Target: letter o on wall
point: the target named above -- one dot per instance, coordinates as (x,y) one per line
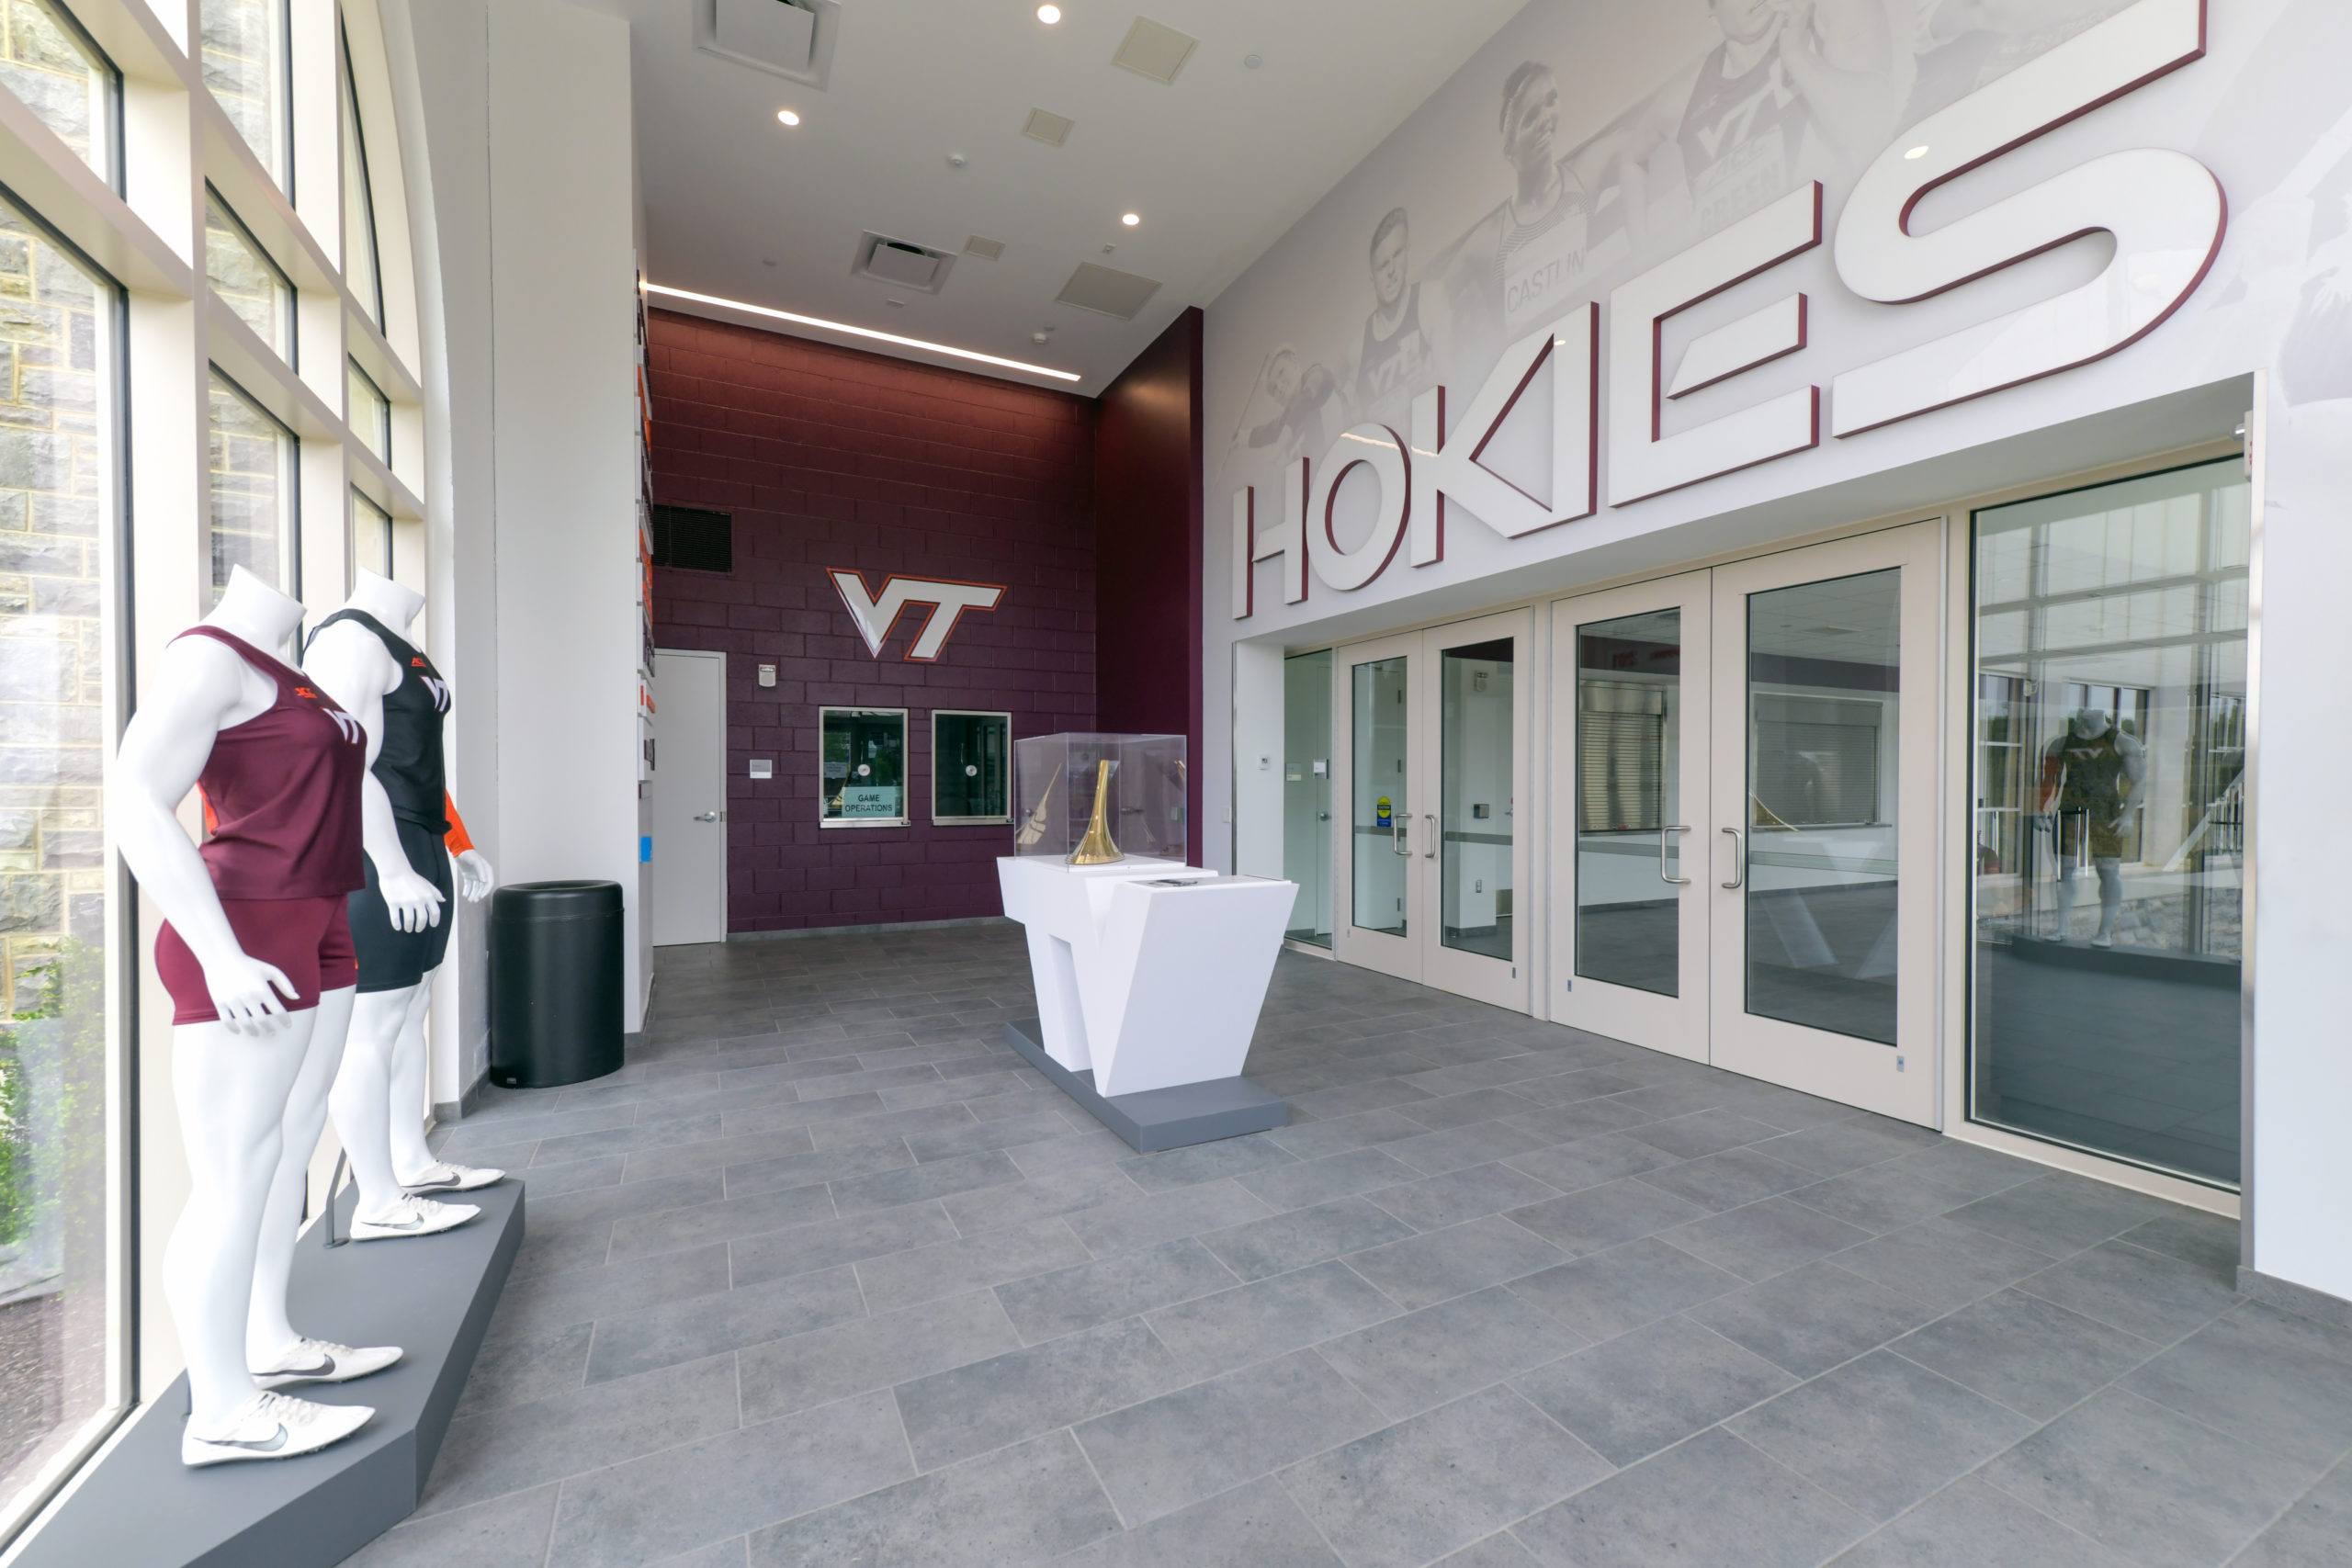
(1383,451)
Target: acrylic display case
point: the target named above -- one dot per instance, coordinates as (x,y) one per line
(1101,800)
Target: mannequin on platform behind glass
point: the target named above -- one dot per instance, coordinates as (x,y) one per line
(2092,776)
(256,954)
(400,922)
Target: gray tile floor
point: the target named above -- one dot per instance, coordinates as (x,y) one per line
(825,1277)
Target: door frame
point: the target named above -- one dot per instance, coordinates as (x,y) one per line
(1676,1024)
(653,922)
(1903,1081)
(1501,983)
(1363,946)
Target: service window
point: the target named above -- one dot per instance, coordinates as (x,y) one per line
(971,767)
(863,782)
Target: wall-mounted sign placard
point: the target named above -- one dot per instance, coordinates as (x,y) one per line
(875,612)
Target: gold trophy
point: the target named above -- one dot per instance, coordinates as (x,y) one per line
(1096,848)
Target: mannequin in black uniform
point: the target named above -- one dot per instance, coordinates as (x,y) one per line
(400,920)
(2092,777)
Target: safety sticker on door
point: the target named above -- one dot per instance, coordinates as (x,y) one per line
(1380,806)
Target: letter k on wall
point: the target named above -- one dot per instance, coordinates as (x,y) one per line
(874,614)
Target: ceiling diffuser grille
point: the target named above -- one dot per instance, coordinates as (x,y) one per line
(986,249)
(1107,291)
(1047,127)
(1155,50)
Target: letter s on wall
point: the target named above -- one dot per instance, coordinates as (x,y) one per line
(2165,209)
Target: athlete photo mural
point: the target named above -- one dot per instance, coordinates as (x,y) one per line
(1591,181)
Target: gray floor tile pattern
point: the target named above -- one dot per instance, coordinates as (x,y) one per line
(825,1275)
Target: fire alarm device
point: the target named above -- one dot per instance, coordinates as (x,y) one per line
(767,674)
(763,767)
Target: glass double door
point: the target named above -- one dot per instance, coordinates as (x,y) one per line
(1432,763)
(1743,777)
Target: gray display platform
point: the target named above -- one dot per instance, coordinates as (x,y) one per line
(139,1507)
(1158,1119)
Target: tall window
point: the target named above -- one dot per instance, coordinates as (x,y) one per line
(370,413)
(2110,817)
(244,66)
(371,537)
(359,257)
(50,63)
(247,279)
(61,1305)
(253,492)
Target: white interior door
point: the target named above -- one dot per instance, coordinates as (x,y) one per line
(1630,679)
(1474,677)
(690,798)
(1376,838)
(1824,762)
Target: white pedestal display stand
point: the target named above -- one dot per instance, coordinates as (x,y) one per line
(1150,975)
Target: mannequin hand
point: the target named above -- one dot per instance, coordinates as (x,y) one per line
(242,993)
(414,903)
(475,878)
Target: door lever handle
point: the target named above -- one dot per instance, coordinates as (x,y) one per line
(707,817)
(1738,859)
(1663,841)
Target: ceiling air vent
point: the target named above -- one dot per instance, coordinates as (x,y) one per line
(690,540)
(792,38)
(901,264)
(1107,291)
(1154,50)
(987,250)
(1047,127)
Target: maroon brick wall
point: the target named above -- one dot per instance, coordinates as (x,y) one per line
(830,457)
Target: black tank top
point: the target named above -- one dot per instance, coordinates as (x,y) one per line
(409,763)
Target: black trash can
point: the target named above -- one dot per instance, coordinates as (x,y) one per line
(555,983)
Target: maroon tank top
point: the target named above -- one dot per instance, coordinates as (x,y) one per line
(281,792)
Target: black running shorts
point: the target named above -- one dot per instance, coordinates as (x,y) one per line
(395,960)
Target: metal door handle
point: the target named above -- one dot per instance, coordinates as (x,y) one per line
(1397,833)
(1738,858)
(1428,851)
(707,817)
(1662,843)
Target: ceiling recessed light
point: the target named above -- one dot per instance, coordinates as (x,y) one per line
(1251,62)
(788,117)
(1049,15)
(1130,219)
(1918,152)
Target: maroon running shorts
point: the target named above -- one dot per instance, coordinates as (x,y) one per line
(309,939)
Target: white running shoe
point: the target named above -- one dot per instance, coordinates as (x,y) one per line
(412,1217)
(449,1177)
(323,1360)
(275,1426)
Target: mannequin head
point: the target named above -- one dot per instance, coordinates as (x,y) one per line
(2090,724)
(387,601)
(252,609)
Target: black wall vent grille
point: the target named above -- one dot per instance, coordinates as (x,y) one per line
(694,540)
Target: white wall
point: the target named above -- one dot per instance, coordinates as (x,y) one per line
(526,113)
(2266,109)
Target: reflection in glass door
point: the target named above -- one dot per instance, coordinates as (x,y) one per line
(1381,785)
(1476,804)
(1823,666)
(1306,792)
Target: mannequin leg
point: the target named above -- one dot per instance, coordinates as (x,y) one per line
(268,1332)
(2065,901)
(2110,900)
(411,1159)
(365,1088)
(232,1091)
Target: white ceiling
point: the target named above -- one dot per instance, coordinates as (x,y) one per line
(1218,164)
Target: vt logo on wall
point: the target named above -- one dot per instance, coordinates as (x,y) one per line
(874,614)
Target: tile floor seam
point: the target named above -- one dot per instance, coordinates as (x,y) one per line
(1116,1512)
(1282,1486)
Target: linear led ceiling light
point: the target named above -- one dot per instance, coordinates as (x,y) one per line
(859,331)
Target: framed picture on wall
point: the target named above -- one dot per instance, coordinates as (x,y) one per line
(971,767)
(862,778)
